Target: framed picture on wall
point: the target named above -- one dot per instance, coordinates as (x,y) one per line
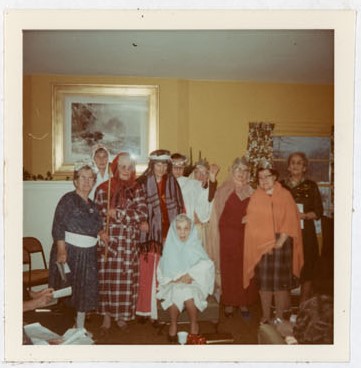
(123,118)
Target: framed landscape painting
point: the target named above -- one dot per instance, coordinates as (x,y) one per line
(123,118)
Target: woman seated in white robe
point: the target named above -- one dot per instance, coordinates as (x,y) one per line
(185,274)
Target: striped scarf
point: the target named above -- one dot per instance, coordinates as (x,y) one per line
(153,240)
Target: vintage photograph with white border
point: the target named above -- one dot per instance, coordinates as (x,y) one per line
(16,21)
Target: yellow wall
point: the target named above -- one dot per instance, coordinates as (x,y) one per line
(206,115)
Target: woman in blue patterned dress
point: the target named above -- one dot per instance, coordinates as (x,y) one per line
(76,227)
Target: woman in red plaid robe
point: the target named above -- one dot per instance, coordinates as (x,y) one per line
(119,269)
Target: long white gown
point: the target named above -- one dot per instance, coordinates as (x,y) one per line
(180,258)
(195,198)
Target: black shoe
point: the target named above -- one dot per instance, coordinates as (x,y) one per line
(155,323)
(142,320)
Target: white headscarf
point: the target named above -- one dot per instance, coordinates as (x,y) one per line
(178,256)
(99,179)
(95,149)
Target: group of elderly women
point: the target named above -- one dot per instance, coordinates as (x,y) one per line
(129,241)
(263,240)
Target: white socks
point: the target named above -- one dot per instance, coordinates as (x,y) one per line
(80,319)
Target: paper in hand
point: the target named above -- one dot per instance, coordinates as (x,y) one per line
(61,293)
(63,269)
(40,335)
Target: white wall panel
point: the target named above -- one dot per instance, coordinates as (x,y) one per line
(40,200)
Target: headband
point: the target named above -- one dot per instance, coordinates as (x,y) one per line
(78,165)
(159,158)
(179,162)
(202,162)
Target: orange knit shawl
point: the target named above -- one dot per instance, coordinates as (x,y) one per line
(266,216)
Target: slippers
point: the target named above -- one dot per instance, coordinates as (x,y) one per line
(228,314)
(122,325)
(89,334)
(228,311)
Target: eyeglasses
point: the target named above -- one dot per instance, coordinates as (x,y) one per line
(85,178)
(241,170)
(202,172)
(266,177)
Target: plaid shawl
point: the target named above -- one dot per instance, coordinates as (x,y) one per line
(153,240)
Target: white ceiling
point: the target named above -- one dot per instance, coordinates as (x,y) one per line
(285,56)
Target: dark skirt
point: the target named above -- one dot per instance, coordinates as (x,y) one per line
(274,270)
(83,277)
(310,251)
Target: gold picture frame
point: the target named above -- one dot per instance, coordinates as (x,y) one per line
(122,117)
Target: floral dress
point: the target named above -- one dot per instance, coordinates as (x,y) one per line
(75,215)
